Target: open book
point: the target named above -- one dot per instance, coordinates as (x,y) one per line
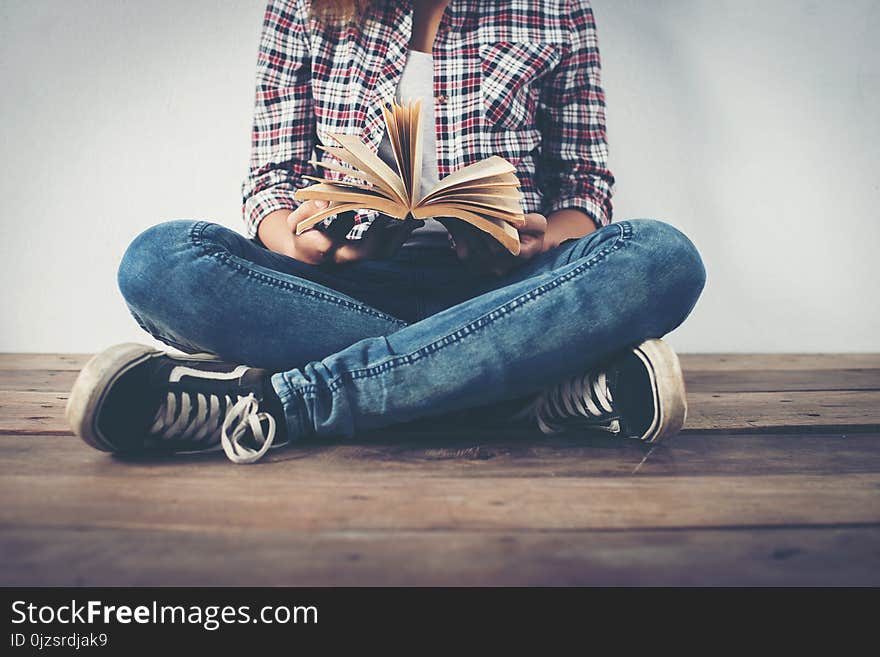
(485,194)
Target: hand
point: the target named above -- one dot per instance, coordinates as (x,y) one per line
(382,239)
(316,246)
(484,253)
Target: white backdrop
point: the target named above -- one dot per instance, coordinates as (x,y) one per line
(753,126)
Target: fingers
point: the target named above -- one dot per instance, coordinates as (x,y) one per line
(313,247)
(304,211)
(347,250)
(386,235)
(535,224)
(531,236)
(382,239)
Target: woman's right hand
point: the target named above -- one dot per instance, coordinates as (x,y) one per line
(277,231)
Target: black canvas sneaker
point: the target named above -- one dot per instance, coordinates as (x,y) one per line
(639,394)
(134,399)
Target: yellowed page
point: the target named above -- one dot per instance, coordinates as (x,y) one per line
(495,191)
(491,166)
(505,190)
(502,180)
(401,119)
(322,189)
(364,199)
(355,170)
(517,219)
(503,184)
(345,184)
(391,126)
(305,224)
(508,204)
(416,150)
(363,158)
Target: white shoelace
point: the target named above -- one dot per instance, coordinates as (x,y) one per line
(576,397)
(172,423)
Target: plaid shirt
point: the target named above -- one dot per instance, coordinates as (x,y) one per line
(519,78)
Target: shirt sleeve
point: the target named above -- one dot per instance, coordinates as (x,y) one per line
(283,132)
(573,170)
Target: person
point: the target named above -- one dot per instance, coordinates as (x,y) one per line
(364,322)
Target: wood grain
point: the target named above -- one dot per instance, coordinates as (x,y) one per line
(776,481)
(781,380)
(300,499)
(771,362)
(471,456)
(767,557)
(836,410)
(33,412)
(33,361)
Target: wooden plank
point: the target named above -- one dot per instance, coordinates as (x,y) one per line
(781,380)
(110,557)
(734,362)
(834,410)
(299,498)
(41,361)
(37,380)
(475,456)
(33,412)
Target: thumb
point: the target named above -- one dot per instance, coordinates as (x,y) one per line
(304,211)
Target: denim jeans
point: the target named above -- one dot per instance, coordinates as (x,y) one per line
(374,343)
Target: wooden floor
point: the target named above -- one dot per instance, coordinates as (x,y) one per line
(775,481)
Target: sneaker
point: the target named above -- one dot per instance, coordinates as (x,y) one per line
(639,394)
(134,399)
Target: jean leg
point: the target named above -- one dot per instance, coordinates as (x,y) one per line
(200,286)
(569,309)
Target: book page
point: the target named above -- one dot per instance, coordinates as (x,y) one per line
(392,128)
(353,170)
(513,216)
(329,211)
(504,185)
(416,150)
(353,173)
(368,199)
(508,203)
(345,184)
(491,166)
(363,158)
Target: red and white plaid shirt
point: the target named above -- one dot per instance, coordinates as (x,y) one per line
(516,78)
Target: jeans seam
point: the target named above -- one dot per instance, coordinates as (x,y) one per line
(239,265)
(624,233)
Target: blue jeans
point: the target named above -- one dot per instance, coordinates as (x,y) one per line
(373,343)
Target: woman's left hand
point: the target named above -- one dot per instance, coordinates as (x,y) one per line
(485,254)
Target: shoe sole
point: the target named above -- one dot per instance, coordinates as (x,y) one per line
(667,384)
(95,380)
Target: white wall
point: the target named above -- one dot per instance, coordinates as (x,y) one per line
(751,125)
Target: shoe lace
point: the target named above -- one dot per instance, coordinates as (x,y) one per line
(215,413)
(587,396)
